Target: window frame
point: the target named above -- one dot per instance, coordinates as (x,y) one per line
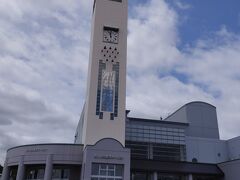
(109,168)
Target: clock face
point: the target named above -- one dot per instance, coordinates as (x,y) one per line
(110,35)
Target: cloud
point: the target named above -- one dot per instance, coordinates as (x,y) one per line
(43,66)
(26,117)
(152,55)
(214,67)
(159,97)
(152,38)
(181,5)
(162,78)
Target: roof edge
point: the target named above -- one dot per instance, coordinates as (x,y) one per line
(187,104)
(43,144)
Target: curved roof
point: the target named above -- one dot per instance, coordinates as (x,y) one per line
(189,104)
(170,122)
(198,102)
(45,144)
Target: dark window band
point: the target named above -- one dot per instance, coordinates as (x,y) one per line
(116,0)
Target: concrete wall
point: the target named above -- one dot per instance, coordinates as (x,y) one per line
(107,151)
(113,14)
(202,119)
(178,116)
(47,155)
(37,154)
(234,148)
(206,150)
(79,131)
(231,170)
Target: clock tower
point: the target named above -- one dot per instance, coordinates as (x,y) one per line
(103,115)
(102,126)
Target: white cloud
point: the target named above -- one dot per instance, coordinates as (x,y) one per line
(181,5)
(43,66)
(158,97)
(211,69)
(152,38)
(216,67)
(27,117)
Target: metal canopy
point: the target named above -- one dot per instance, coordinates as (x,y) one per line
(175,167)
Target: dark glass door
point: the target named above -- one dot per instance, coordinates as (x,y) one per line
(141,176)
(162,176)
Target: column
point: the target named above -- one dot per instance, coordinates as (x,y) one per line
(5,173)
(190,177)
(155,176)
(21,169)
(48,168)
(150,151)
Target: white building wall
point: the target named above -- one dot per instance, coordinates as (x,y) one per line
(231,170)
(234,148)
(179,116)
(201,117)
(206,150)
(111,14)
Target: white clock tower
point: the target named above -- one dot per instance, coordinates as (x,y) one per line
(103,115)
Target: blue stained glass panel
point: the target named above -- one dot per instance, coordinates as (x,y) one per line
(102,66)
(108,83)
(107,99)
(116,70)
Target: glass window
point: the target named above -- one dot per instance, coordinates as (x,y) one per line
(146,130)
(95,169)
(102,66)
(56,174)
(108,80)
(116,70)
(36,172)
(152,135)
(119,170)
(60,172)
(152,131)
(162,176)
(106,172)
(139,176)
(13,173)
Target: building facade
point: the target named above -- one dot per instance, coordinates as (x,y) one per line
(110,145)
(184,146)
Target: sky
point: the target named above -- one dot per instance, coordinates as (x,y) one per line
(178,51)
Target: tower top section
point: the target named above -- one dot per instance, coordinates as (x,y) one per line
(104,112)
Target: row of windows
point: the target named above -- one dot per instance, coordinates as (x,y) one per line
(157,151)
(135,126)
(158,136)
(37,173)
(106,172)
(165,176)
(160,176)
(116,69)
(151,134)
(155,134)
(157,140)
(154,130)
(151,140)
